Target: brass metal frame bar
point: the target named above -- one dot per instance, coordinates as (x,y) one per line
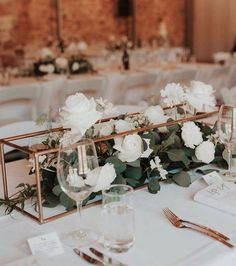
(38,187)
(4,173)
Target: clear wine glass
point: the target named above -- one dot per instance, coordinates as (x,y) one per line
(227,135)
(75,161)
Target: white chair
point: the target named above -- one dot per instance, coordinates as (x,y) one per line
(89,85)
(18,103)
(138,87)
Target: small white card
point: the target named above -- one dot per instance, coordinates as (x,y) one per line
(49,245)
(212,178)
(220,190)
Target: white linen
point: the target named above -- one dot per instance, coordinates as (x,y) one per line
(157,241)
(113,85)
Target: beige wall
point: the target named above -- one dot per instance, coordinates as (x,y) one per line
(214,27)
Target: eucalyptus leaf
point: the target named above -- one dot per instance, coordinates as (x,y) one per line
(186,161)
(50,201)
(134,163)
(174,127)
(133,172)
(180,110)
(182,179)
(153,185)
(132,182)
(118,164)
(206,171)
(66,201)
(57,190)
(176,155)
(119,180)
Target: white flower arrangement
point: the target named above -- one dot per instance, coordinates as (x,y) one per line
(198,95)
(173,94)
(156,164)
(191,135)
(205,152)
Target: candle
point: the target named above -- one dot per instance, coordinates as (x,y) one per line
(82,161)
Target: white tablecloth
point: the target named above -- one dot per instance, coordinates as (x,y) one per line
(157,241)
(52,87)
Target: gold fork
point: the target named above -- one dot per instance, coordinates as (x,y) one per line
(179,224)
(195,224)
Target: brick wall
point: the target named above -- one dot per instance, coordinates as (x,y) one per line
(30,23)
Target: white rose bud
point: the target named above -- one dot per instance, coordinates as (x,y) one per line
(205,152)
(129,147)
(191,135)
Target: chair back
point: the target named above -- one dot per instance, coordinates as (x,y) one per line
(19,103)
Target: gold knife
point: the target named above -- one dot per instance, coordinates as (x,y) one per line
(106,259)
(88,258)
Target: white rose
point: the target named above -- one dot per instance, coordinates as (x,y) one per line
(106,129)
(82,46)
(122,125)
(79,113)
(173,94)
(61,63)
(106,107)
(101,177)
(205,152)
(49,68)
(191,135)
(155,114)
(201,96)
(129,147)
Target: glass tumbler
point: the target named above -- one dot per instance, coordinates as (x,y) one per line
(118,218)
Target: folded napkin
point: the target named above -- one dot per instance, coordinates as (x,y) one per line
(221,196)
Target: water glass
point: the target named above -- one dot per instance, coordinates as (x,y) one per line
(118,218)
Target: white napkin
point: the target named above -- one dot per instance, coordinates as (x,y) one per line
(221,196)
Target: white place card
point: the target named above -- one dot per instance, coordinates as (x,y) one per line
(49,245)
(221,196)
(212,178)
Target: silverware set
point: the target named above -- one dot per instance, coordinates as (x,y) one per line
(101,258)
(181,223)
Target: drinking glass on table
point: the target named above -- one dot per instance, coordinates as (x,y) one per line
(227,135)
(118,218)
(75,161)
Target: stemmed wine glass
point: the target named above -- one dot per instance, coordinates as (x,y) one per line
(75,161)
(227,135)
